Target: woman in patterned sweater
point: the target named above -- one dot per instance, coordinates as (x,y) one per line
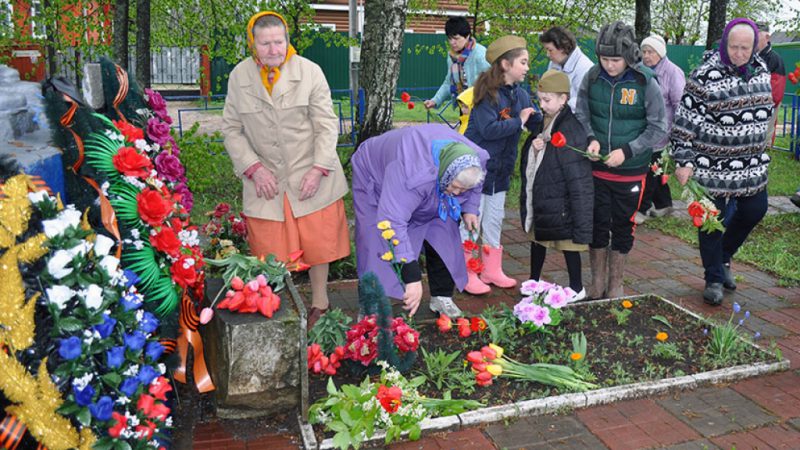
(719,138)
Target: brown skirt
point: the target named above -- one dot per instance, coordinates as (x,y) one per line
(322,235)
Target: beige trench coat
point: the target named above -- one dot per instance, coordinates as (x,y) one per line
(289,132)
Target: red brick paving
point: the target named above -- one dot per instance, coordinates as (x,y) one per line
(779,394)
(779,436)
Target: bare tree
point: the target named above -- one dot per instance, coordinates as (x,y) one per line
(642,23)
(120,33)
(143,43)
(384,26)
(716,21)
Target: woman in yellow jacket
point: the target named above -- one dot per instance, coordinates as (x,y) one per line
(280,132)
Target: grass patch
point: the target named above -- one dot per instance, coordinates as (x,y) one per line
(772,246)
(782,173)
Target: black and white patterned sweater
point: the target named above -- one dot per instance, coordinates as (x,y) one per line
(720,127)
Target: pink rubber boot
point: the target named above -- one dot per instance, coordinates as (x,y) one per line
(493,268)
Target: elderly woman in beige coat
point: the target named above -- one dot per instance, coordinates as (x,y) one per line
(280,132)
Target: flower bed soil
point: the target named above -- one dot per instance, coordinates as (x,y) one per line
(616,354)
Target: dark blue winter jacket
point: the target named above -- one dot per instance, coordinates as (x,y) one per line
(497,128)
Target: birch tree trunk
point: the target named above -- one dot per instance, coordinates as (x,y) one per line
(120,34)
(716,21)
(382,44)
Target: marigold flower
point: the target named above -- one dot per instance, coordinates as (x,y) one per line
(627,304)
(384,225)
(387,256)
(575,356)
(662,336)
(388,234)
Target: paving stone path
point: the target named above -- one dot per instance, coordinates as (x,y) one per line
(758,413)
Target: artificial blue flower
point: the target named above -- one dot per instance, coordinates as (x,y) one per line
(115,356)
(102,409)
(131,301)
(105,328)
(134,341)
(154,350)
(129,386)
(83,397)
(130,277)
(70,348)
(149,322)
(736,308)
(147,374)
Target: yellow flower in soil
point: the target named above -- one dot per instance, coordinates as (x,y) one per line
(497,349)
(661,336)
(387,256)
(627,304)
(575,356)
(494,369)
(388,234)
(384,225)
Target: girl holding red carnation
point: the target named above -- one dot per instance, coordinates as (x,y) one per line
(557,195)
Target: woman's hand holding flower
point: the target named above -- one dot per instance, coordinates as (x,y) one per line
(470,221)
(266,184)
(615,158)
(594,150)
(412,297)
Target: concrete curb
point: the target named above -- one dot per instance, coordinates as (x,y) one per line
(577,400)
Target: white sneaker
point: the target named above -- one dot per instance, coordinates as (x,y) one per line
(660,212)
(578,296)
(639,218)
(445,305)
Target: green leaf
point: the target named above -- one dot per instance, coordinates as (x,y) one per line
(84,417)
(331,387)
(351,391)
(345,416)
(71,324)
(662,319)
(122,445)
(337,426)
(342,440)
(415,432)
(112,379)
(103,444)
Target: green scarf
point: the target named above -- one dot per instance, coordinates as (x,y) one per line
(449,153)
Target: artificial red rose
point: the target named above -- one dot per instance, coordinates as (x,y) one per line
(558,140)
(410,105)
(477,324)
(696,209)
(159,388)
(145,432)
(469,246)
(166,241)
(697,221)
(389,397)
(120,423)
(145,404)
(159,411)
(131,163)
(184,271)
(221,209)
(406,339)
(239,228)
(131,133)
(405,97)
(475,265)
(153,207)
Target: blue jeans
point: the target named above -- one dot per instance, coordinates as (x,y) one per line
(717,248)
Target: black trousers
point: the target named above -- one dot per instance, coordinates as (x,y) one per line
(615,205)
(655,193)
(439,279)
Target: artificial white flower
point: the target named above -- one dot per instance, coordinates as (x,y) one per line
(57,264)
(162,368)
(154,180)
(111,264)
(132,371)
(93,295)
(81,382)
(104,187)
(138,245)
(189,238)
(81,249)
(38,196)
(134,181)
(53,228)
(71,216)
(135,233)
(141,144)
(60,295)
(102,245)
(123,400)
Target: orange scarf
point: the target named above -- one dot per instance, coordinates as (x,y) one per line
(275,71)
(265,71)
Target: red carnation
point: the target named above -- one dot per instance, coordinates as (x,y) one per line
(470,246)
(153,207)
(475,265)
(131,133)
(184,271)
(167,241)
(131,163)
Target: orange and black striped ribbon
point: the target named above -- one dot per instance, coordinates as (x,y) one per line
(122,77)
(66,121)
(168,344)
(188,321)
(35,184)
(12,430)
(107,215)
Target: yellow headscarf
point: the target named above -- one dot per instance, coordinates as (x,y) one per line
(465,99)
(264,70)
